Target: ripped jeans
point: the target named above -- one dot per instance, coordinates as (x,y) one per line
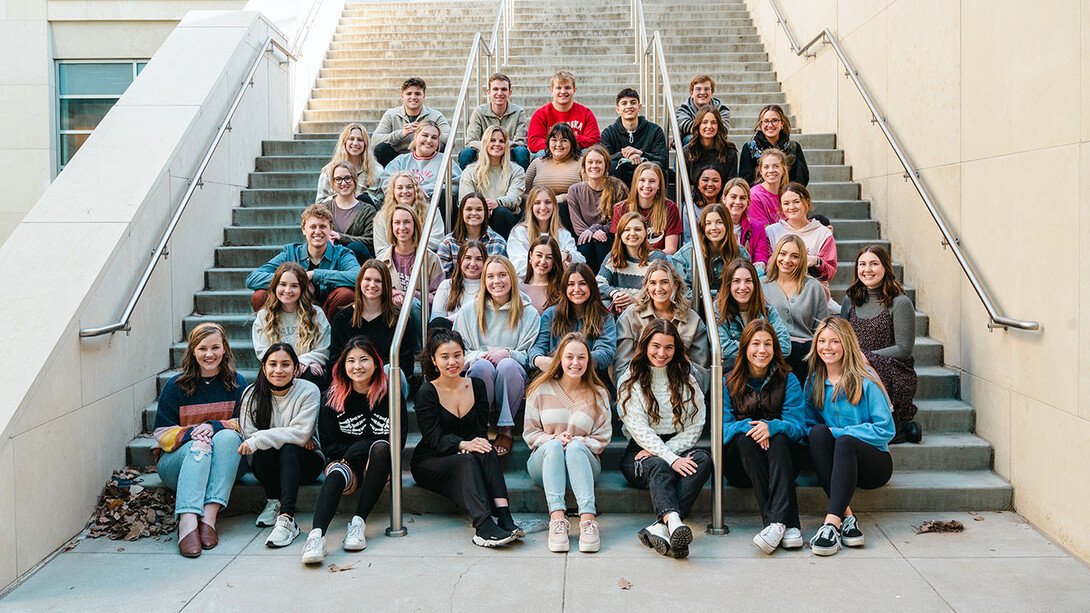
(201,477)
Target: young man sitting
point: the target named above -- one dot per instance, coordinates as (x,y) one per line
(395,130)
(701,92)
(498,111)
(632,139)
(564,109)
(331,268)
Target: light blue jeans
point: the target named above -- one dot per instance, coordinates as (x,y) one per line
(555,468)
(202,477)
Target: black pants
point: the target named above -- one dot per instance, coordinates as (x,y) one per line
(502,221)
(281,471)
(596,252)
(797,360)
(369,459)
(770,473)
(845,463)
(472,480)
(670,492)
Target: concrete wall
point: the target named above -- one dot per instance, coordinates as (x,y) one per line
(991,100)
(69,406)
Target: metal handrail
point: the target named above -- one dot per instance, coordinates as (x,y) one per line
(995,320)
(418,275)
(650,57)
(304,29)
(194,183)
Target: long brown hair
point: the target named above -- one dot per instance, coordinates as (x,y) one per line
(721,144)
(609,192)
(853,366)
(728,248)
(191,371)
(740,376)
(678,373)
(590,379)
(891,287)
(308,333)
(727,306)
(554,289)
(658,214)
(618,255)
(457,277)
(593,313)
(389,310)
(773,152)
(460,232)
(785,123)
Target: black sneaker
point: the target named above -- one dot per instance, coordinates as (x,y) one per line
(913,432)
(489,534)
(850,534)
(827,540)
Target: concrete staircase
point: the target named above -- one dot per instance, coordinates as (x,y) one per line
(950,470)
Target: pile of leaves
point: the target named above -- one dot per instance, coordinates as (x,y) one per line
(941,526)
(131,511)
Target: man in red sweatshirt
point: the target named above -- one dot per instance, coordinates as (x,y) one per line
(565,109)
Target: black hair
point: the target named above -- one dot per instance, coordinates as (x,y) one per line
(260,401)
(437,337)
(628,92)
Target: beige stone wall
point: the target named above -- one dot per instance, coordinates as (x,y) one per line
(991,101)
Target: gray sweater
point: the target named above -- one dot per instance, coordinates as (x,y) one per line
(803,311)
(904,322)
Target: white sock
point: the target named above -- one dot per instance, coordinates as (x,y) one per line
(673,521)
(659,530)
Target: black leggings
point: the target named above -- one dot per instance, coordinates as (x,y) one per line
(844,463)
(770,473)
(369,460)
(670,492)
(472,480)
(797,360)
(281,471)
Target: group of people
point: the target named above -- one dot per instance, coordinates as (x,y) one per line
(561,310)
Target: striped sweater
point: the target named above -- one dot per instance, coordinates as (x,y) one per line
(177,414)
(628,279)
(550,411)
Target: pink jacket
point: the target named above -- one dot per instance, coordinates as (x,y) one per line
(755,240)
(764,207)
(819,241)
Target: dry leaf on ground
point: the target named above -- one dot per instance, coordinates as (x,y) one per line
(333,568)
(129,511)
(624,584)
(940,526)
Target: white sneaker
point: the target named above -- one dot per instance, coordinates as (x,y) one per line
(792,539)
(283,533)
(589,539)
(314,550)
(267,518)
(768,540)
(354,541)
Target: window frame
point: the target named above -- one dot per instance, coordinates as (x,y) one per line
(137,66)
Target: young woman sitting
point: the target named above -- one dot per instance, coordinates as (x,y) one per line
(403,190)
(795,206)
(454,457)
(741,302)
(354,429)
(851,425)
(579,309)
(278,414)
(290,317)
(662,409)
(354,147)
(500,182)
(662,297)
(352,216)
(716,236)
(499,330)
(471,224)
(736,199)
(567,427)
(764,419)
(461,288)
(373,315)
(773,131)
(798,299)
(623,272)
(400,257)
(884,319)
(196,436)
(423,160)
(541,283)
(590,204)
(648,197)
(541,220)
(764,197)
(559,169)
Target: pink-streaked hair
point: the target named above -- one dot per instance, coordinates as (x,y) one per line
(342,385)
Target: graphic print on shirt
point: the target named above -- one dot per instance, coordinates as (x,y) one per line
(356,425)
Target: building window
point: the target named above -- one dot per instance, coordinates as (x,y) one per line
(86,91)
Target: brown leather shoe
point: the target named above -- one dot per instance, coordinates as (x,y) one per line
(190,545)
(209,537)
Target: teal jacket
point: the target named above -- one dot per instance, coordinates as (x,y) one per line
(792,414)
(338,267)
(870,421)
(730,332)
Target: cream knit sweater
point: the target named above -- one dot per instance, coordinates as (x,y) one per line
(638,427)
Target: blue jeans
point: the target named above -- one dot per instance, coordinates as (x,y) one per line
(202,477)
(519,155)
(554,466)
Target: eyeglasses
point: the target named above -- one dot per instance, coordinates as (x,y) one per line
(342,180)
(771,122)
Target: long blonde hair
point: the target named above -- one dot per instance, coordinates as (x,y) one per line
(479,171)
(420,200)
(658,204)
(678,302)
(484,299)
(853,366)
(370,169)
(772,271)
(772,152)
(590,381)
(532,230)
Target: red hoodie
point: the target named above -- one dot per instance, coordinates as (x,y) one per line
(578,117)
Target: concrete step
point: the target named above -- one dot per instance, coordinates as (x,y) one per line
(977,490)
(593,95)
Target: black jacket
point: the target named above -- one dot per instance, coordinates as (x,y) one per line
(750,158)
(647,137)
